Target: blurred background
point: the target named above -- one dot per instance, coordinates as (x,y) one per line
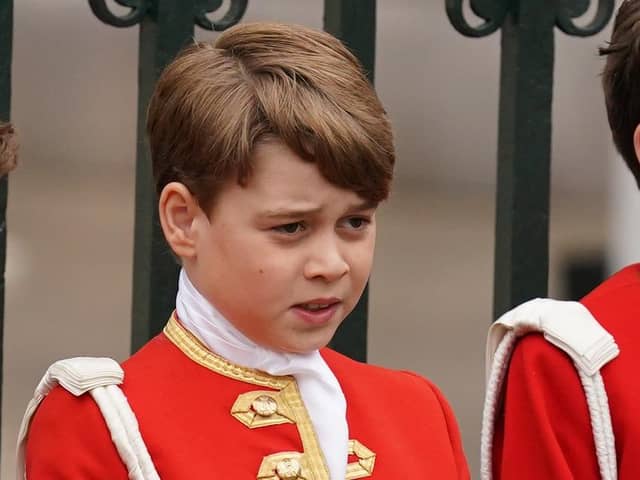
(71,200)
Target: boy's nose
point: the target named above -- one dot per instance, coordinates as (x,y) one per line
(326,262)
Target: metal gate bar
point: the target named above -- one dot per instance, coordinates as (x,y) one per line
(524,135)
(6,48)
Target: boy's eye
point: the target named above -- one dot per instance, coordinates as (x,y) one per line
(290,228)
(357,223)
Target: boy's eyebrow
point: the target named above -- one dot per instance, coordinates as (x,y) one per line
(301,212)
(289,212)
(365,205)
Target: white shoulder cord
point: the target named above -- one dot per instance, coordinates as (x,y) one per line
(125,432)
(491,402)
(601,424)
(570,327)
(100,377)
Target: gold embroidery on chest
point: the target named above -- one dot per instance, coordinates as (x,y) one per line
(285,466)
(289,401)
(293,465)
(262,409)
(363,467)
(256,409)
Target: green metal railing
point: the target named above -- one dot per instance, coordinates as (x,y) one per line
(6,48)
(524,132)
(354,22)
(166,26)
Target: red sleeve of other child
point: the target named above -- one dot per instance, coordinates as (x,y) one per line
(544,429)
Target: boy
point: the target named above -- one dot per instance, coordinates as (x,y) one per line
(544,429)
(270,154)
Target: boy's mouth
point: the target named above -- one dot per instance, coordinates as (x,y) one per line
(314,306)
(317,311)
(318,304)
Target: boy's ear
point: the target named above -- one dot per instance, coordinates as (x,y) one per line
(178,210)
(636,141)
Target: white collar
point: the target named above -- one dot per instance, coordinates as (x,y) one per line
(319,388)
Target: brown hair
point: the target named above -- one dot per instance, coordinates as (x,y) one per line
(216,101)
(621,82)
(8,148)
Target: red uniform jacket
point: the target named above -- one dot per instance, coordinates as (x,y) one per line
(194,411)
(544,431)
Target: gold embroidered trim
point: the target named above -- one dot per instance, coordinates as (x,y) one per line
(366,461)
(197,352)
(271,467)
(318,469)
(243,409)
(315,465)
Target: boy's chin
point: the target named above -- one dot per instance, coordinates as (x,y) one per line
(302,350)
(304,346)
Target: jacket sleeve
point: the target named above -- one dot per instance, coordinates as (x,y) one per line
(69,440)
(455,441)
(454,435)
(543,429)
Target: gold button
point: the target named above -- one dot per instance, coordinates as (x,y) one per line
(288,469)
(264,405)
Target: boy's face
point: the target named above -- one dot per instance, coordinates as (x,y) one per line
(286,257)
